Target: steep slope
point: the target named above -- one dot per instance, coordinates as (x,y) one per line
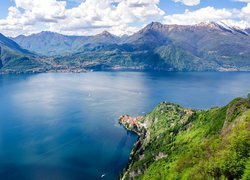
(182,60)
(228,47)
(151,36)
(4,41)
(181,143)
(216,45)
(247,30)
(15,59)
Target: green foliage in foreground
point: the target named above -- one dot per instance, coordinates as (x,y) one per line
(211,144)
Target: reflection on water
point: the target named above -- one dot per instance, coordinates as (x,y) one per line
(64,126)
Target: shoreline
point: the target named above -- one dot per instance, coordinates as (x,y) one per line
(136,125)
(38,71)
(141,126)
(173,136)
(83,70)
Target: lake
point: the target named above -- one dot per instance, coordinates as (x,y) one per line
(65,126)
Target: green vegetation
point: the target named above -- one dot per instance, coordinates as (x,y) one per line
(205,47)
(181,143)
(248,96)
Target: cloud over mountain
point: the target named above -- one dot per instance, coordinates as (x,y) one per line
(233,17)
(90,16)
(119,17)
(200,15)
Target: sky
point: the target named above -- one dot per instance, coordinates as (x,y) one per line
(88,17)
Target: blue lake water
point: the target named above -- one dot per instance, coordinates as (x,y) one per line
(65,126)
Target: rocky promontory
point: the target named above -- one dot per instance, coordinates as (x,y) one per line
(175,142)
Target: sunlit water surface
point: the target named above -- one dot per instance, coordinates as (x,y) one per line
(65,126)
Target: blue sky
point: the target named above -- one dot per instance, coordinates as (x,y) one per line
(5,4)
(117,16)
(167,5)
(171,7)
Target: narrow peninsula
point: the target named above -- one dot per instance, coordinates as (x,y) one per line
(181,143)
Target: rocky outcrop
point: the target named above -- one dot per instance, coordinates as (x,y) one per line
(176,142)
(134,124)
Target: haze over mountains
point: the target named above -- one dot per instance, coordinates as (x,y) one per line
(14,58)
(50,43)
(202,47)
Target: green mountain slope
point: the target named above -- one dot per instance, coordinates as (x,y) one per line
(228,47)
(50,44)
(181,143)
(181,60)
(168,58)
(216,46)
(10,50)
(14,59)
(4,41)
(170,48)
(202,47)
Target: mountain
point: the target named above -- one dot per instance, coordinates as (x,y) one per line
(151,36)
(50,43)
(203,47)
(46,43)
(247,30)
(182,143)
(213,44)
(13,58)
(207,46)
(103,38)
(10,44)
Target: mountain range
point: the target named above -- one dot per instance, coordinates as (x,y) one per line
(51,44)
(206,46)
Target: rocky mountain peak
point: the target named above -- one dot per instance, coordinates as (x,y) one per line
(154,25)
(105,34)
(208,24)
(221,26)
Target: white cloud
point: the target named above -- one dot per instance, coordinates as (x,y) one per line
(245,13)
(200,15)
(117,16)
(241,24)
(23,17)
(232,17)
(90,17)
(247,1)
(189,2)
